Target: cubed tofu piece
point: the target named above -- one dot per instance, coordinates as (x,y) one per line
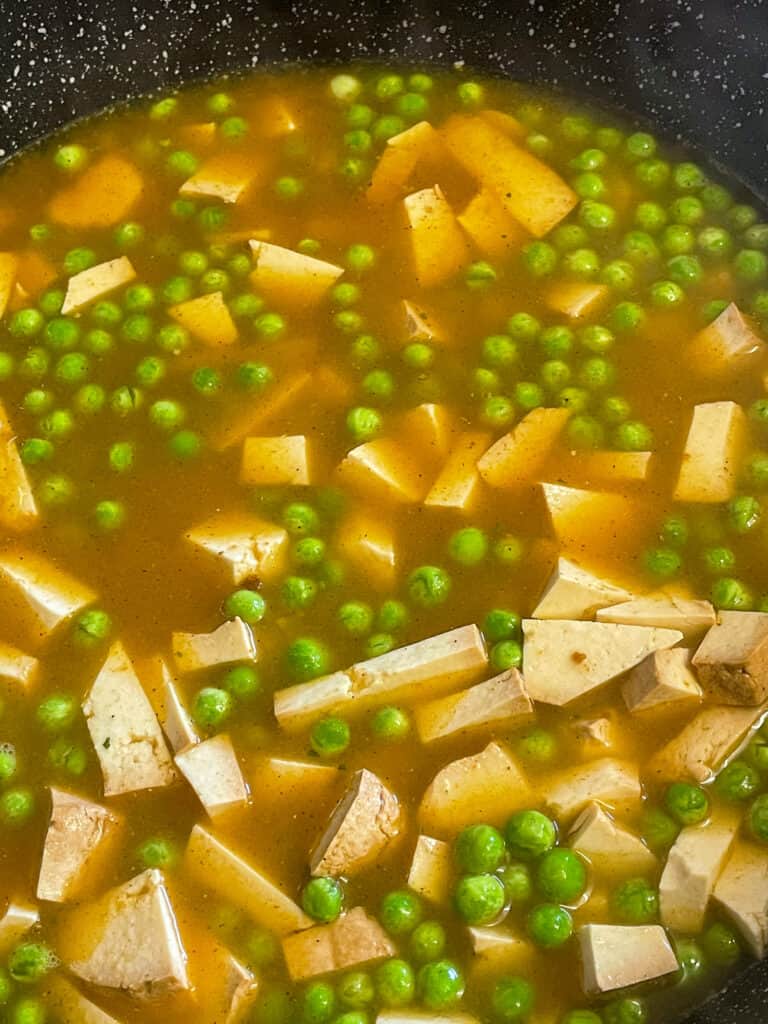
(81,838)
(384,469)
(95,283)
(290,278)
(9,265)
(458,483)
(212,770)
(230,642)
(610,847)
(711,462)
(572,592)
(579,518)
(595,737)
(18,507)
(18,919)
(70,1006)
(397,163)
(493,231)
(275,118)
(505,123)
(18,667)
(226,177)
(354,939)
(529,190)
(36,272)
(218,869)
(488,786)
(741,893)
(169,705)
(694,863)
(279,780)
(297,706)
(618,956)
(732,659)
(606,781)
(363,824)
(207,318)
(662,679)
(245,546)
(499,702)
(51,596)
(408,1016)
(239,990)
(431,872)
(606,468)
(515,459)
(367,543)
(125,732)
(728,345)
(431,427)
(103,195)
(667,611)
(128,940)
(498,949)
(285,394)
(577,299)
(285,459)
(437,244)
(198,135)
(420,324)
(565,660)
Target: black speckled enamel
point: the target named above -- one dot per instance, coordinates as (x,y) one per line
(696,69)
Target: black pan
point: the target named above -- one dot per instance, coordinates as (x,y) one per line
(696,69)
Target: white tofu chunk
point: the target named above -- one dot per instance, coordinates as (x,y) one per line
(49,594)
(498,949)
(243,545)
(291,278)
(70,1006)
(384,470)
(408,1016)
(397,163)
(420,324)
(437,244)
(240,990)
(727,346)
(226,176)
(172,712)
(207,318)
(352,940)
(667,611)
(129,940)
(217,868)
(711,460)
(595,736)
(230,642)
(458,483)
(694,863)
(732,659)
(619,956)
(431,872)
(580,519)
(488,786)
(297,706)
(502,701)
(212,770)
(81,838)
(277,460)
(363,824)
(564,660)
(575,593)
(95,283)
(124,730)
(606,781)
(660,680)
(609,846)
(18,667)
(516,458)
(367,542)
(741,892)
(18,919)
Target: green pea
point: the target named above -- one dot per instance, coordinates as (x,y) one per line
(395,983)
(70,158)
(440,984)
(639,146)
(356,617)
(549,925)
(26,323)
(92,627)
(109,515)
(307,658)
(505,655)
(35,450)
(721,945)
(687,804)
(401,911)
(212,707)
(513,999)
(318,1003)
(538,747)
(330,737)
(517,882)
(500,624)
(16,806)
(529,835)
(429,586)
(650,216)
(392,615)
(427,942)
(468,546)
(561,876)
(508,550)
(737,781)
(391,724)
(635,902)
(582,263)
(479,849)
(540,258)
(323,898)
(157,852)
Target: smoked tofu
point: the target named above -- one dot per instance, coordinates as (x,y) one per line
(397,163)
(363,824)
(384,470)
(437,244)
(502,702)
(244,546)
(103,195)
(431,872)
(694,863)
(575,593)
(667,611)
(711,460)
(207,318)
(277,460)
(290,278)
(458,484)
(662,679)
(212,770)
(18,667)
(81,837)
(516,458)
(741,893)
(488,786)
(367,543)
(95,283)
(732,659)
(619,956)
(230,642)
(606,781)
(565,660)
(18,919)
(226,177)
(725,347)
(493,231)
(608,845)
(124,730)
(354,939)
(51,596)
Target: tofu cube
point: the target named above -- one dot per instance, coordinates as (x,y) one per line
(741,893)
(18,667)
(232,641)
(458,483)
(619,956)
(431,872)
(498,949)
(291,278)
(397,163)
(367,543)
(595,737)
(577,299)
(408,1016)
(728,345)
(431,428)
(420,324)
(493,231)
(9,265)
(253,416)
(18,507)
(606,781)
(732,659)
(607,468)
(69,1005)
(50,596)
(711,461)
(226,177)
(516,458)
(169,705)
(280,780)
(667,611)
(500,702)
(437,244)
(207,318)
(700,750)
(694,863)
(384,470)
(660,680)
(103,195)
(572,592)
(277,460)
(18,919)
(95,283)
(354,939)
(580,519)
(244,546)
(212,770)
(609,846)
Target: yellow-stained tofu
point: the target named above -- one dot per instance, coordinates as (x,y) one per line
(170,708)
(397,163)
(275,117)
(732,659)
(410,1016)
(384,469)
(741,893)
(668,611)
(198,135)
(298,706)
(580,518)
(431,428)
(94,283)
(497,949)
(282,779)
(573,592)
(291,278)
(69,1005)
(595,737)
(18,506)
(285,459)
(607,781)
(283,395)
(609,846)
(500,702)
(611,467)
(245,546)
(431,872)
(354,939)
(492,230)
(9,265)
(458,483)
(727,346)
(437,244)
(226,177)
(505,123)
(103,195)
(577,299)
(36,272)
(711,460)
(207,318)
(516,458)
(618,956)
(230,642)
(18,918)
(18,667)
(662,679)
(420,324)
(367,543)
(212,770)
(46,592)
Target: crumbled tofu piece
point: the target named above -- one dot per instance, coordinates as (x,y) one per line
(232,641)
(575,593)
(661,679)
(431,872)
(352,940)
(8,269)
(226,177)
(564,660)
(741,892)
(49,594)
(398,161)
(666,611)
(244,545)
(618,956)
(437,244)
(409,1016)
(609,846)
(732,659)
(493,231)
(103,195)
(488,786)
(18,919)
(81,837)
(498,949)
(694,863)
(129,940)
(363,824)
(728,345)
(529,190)
(384,470)
(284,276)
(711,461)
(502,702)
(458,483)
(18,667)
(577,299)
(419,324)
(367,543)
(207,318)
(276,460)
(94,283)
(70,1006)
(431,427)
(516,458)
(279,779)
(580,518)
(212,770)
(253,416)
(606,781)
(611,467)
(219,869)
